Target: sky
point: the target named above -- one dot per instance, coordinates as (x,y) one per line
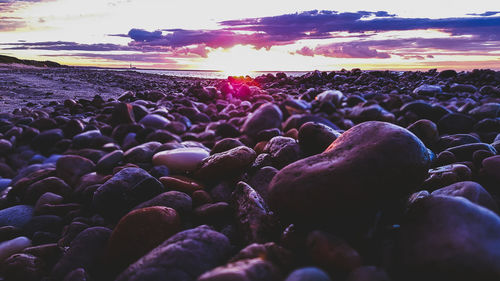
(266,35)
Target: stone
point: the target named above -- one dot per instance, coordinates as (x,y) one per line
(23,267)
(201,197)
(90,139)
(369,166)
(368,273)
(256,223)
(179,201)
(44,223)
(71,167)
(373,112)
(270,251)
(139,232)
(78,274)
(455,123)
(426,131)
(283,151)
(85,251)
(125,190)
(225,144)
(181,159)
(123,113)
(17,216)
(470,190)
(244,270)
(261,179)
(267,116)
(448,141)
(464,152)
(45,141)
(154,121)
(487,110)
(314,138)
(463,88)
(218,213)
(490,168)
(448,238)
(334,96)
(142,153)
(331,253)
(446,175)
(48,198)
(13,246)
(183,257)
(5,147)
(428,90)
(180,183)
(225,164)
(308,274)
(109,161)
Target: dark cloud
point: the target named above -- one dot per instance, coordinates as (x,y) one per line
(343,50)
(65,46)
(407,48)
(265,32)
(485,14)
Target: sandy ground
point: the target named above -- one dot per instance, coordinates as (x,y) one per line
(21,85)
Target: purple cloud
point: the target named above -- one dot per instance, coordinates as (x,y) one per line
(266,32)
(10,23)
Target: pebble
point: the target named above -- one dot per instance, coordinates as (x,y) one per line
(85,252)
(125,190)
(267,116)
(314,138)
(308,274)
(13,246)
(225,164)
(183,256)
(71,167)
(138,232)
(154,121)
(17,216)
(255,221)
(470,190)
(181,159)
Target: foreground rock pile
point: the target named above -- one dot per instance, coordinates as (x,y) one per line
(348,175)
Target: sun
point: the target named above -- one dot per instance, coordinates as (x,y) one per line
(236,61)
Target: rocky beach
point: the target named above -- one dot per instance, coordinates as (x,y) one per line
(345,175)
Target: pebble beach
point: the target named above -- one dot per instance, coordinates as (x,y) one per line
(343,175)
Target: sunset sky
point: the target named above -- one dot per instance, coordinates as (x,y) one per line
(240,36)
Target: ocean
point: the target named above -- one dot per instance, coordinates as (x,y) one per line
(206,74)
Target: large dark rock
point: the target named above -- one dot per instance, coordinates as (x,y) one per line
(183,257)
(371,165)
(449,238)
(125,190)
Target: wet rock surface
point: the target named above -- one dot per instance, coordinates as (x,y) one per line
(345,175)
